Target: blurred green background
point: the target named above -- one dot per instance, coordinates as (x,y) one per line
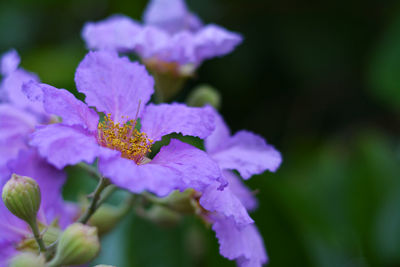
(319,79)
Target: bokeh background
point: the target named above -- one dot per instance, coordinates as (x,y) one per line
(319,79)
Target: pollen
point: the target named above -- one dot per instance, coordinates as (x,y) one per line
(125,138)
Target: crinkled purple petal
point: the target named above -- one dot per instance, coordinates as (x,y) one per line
(154,43)
(151,42)
(127,174)
(15,122)
(114,85)
(8,151)
(247,153)
(33,91)
(160,120)
(219,136)
(9,62)
(170,15)
(177,166)
(225,203)
(65,145)
(244,245)
(214,41)
(15,127)
(240,190)
(179,49)
(12,86)
(50,181)
(195,168)
(62,103)
(114,33)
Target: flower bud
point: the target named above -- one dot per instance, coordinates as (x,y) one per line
(180,201)
(21,195)
(103,265)
(78,244)
(28,259)
(163,217)
(204,94)
(105,218)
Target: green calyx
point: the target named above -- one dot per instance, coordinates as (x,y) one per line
(28,259)
(21,195)
(105,218)
(78,244)
(204,95)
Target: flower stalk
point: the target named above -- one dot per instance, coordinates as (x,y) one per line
(38,237)
(103,183)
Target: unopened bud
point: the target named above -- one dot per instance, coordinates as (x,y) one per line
(21,195)
(105,218)
(102,265)
(203,95)
(78,244)
(163,216)
(28,259)
(180,201)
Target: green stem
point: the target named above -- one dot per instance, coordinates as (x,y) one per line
(51,250)
(106,194)
(103,183)
(37,236)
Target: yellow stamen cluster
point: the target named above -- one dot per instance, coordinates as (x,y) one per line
(125,138)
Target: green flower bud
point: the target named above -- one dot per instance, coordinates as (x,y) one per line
(179,201)
(103,265)
(28,259)
(105,218)
(204,94)
(78,244)
(163,216)
(21,195)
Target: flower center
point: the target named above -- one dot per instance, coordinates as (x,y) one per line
(125,138)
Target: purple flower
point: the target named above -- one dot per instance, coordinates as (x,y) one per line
(249,154)
(11,85)
(243,245)
(170,35)
(18,118)
(18,114)
(53,211)
(120,89)
(245,151)
(171,15)
(15,127)
(9,62)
